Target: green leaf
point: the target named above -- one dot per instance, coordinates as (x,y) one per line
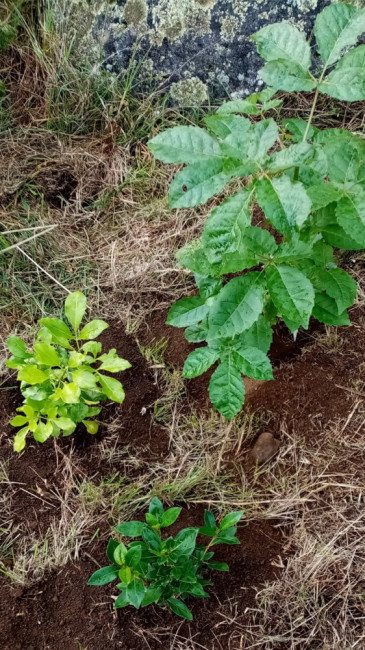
(209,519)
(339,285)
(133,556)
(169,516)
(185,541)
(43,431)
(32,375)
(184,144)
(193,257)
(57,328)
(119,554)
(223,125)
(156,507)
(187,311)
(344,159)
(46,355)
(337,27)
(199,361)
(126,575)
(253,363)
(152,595)
(112,363)
(208,285)
(196,333)
(121,601)
(151,538)
(131,528)
(291,292)
(219,566)
(18,421)
(293,156)
(231,519)
(103,576)
(239,106)
(237,306)
(259,335)
(179,608)
(69,393)
(325,221)
(91,426)
(112,388)
(323,194)
(17,347)
(92,347)
(112,545)
(226,224)
(347,80)
(84,378)
(298,127)
(325,310)
(93,329)
(197,183)
(350,214)
(285,203)
(226,389)
(75,308)
(287,75)
(283,41)
(19,439)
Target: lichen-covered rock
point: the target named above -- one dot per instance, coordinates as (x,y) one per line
(184,41)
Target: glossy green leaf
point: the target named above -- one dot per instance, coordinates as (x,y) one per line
(219,566)
(112,388)
(103,576)
(185,541)
(326,222)
(112,545)
(291,292)
(179,608)
(209,519)
(339,285)
(325,310)
(91,426)
(196,333)
(43,431)
(197,183)
(69,393)
(184,144)
(199,361)
(259,335)
(84,378)
(237,306)
(45,354)
(121,601)
(18,421)
(253,363)
(231,520)
(187,311)
(169,516)
(75,308)
(19,439)
(152,595)
(112,363)
(119,554)
(133,556)
(92,330)
(227,390)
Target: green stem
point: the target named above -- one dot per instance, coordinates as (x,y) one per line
(313,106)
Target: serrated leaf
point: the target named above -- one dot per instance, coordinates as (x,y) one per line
(287,75)
(92,330)
(344,159)
(45,354)
(325,310)
(208,285)
(199,361)
(283,41)
(253,363)
(75,308)
(112,388)
(223,125)
(326,222)
(347,80)
(184,144)
(337,27)
(193,257)
(293,156)
(291,292)
(350,214)
(32,375)
(285,203)
(251,146)
(179,608)
(226,389)
(103,576)
(258,242)
(197,183)
(196,333)
(226,224)
(187,311)
(339,285)
(239,106)
(237,306)
(323,194)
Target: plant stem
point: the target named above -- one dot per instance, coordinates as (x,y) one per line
(313,105)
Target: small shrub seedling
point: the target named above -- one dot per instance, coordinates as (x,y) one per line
(61,378)
(165,571)
(310,185)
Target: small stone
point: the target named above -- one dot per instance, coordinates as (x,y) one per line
(265,447)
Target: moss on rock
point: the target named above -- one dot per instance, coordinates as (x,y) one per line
(135,11)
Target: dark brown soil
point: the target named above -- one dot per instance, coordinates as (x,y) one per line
(61,612)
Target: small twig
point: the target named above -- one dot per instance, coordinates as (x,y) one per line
(350,390)
(24,241)
(42,269)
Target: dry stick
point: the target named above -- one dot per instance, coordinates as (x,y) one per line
(42,269)
(24,241)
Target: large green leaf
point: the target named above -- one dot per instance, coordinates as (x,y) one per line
(253,363)
(286,203)
(325,310)
(179,608)
(57,328)
(287,75)
(17,347)
(112,388)
(251,145)
(350,214)
(237,306)
(293,156)
(323,194)
(325,221)
(75,308)
(69,393)
(291,292)
(199,361)
(224,125)
(93,329)
(45,354)
(197,183)
(135,592)
(256,245)
(226,224)
(84,378)
(337,27)
(32,375)
(187,311)
(103,576)
(226,389)
(192,256)
(339,285)
(184,144)
(258,336)
(347,80)
(297,128)
(283,41)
